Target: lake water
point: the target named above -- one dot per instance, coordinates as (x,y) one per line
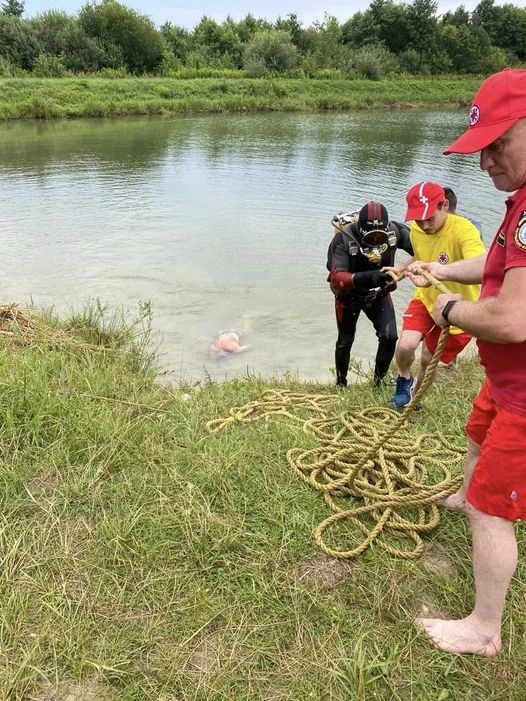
(214,219)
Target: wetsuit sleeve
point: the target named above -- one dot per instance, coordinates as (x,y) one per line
(339,263)
(402,234)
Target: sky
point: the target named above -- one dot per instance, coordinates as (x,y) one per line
(188,13)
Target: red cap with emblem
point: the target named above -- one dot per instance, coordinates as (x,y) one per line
(423,199)
(499,103)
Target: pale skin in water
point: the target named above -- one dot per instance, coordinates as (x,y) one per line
(498,319)
(229,342)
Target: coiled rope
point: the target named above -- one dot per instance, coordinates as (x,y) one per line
(368,456)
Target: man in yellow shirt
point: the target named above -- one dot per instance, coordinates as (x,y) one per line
(436,236)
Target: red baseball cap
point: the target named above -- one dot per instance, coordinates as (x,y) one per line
(499,103)
(423,199)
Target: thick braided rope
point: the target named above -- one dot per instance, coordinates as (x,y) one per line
(367,455)
(273,403)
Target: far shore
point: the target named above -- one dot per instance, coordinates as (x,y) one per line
(58,98)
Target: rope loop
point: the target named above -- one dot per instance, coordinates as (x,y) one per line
(366,460)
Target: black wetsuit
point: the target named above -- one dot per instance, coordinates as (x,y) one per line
(343,259)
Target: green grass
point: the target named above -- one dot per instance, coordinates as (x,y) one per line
(48,98)
(144,557)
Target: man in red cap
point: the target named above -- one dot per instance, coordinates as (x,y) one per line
(436,236)
(494,491)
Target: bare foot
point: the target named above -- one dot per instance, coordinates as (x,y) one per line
(456,501)
(461,637)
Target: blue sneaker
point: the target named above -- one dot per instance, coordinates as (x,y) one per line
(404,391)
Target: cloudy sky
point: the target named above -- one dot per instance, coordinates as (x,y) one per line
(187,13)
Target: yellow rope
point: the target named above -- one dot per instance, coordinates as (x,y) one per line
(273,403)
(367,455)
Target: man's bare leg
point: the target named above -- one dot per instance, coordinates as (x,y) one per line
(405,351)
(425,358)
(457,501)
(494,562)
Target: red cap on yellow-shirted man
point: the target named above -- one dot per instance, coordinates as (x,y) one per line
(423,199)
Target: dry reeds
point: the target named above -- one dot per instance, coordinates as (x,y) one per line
(24,326)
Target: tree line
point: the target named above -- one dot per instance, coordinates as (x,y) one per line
(387,38)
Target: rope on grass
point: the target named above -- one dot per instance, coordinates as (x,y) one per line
(367,455)
(273,403)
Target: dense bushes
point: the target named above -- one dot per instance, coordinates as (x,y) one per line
(385,39)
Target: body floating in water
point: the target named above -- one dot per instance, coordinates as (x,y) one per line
(229,341)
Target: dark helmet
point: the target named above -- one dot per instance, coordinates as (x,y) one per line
(373,216)
(373,223)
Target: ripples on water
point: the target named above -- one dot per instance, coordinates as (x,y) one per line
(216,218)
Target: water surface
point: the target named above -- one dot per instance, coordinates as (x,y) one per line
(216,218)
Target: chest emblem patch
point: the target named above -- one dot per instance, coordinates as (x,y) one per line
(520,232)
(443,258)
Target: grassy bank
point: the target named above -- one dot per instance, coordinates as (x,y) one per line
(97,97)
(144,557)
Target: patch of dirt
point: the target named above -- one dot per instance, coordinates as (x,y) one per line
(427,607)
(205,657)
(322,571)
(89,690)
(43,486)
(437,560)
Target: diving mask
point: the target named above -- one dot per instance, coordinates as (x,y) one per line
(374,245)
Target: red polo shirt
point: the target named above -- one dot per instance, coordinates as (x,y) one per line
(505,364)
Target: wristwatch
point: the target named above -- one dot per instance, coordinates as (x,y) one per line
(447,308)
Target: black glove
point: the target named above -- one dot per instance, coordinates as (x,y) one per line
(370,279)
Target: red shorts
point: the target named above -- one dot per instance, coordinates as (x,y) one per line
(417,318)
(498,484)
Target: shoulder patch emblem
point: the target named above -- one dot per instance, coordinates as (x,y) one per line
(443,258)
(520,232)
(501,238)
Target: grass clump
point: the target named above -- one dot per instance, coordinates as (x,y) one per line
(144,557)
(88,96)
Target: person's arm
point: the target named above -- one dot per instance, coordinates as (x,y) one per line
(403,238)
(468,271)
(398,269)
(341,279)
(499,319)
(404,242)
(339,263)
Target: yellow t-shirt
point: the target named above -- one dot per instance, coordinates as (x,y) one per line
(458,239)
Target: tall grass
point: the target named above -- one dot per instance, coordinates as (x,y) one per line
(49,98)
(146,558)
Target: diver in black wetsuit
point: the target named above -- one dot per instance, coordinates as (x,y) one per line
(363,243)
